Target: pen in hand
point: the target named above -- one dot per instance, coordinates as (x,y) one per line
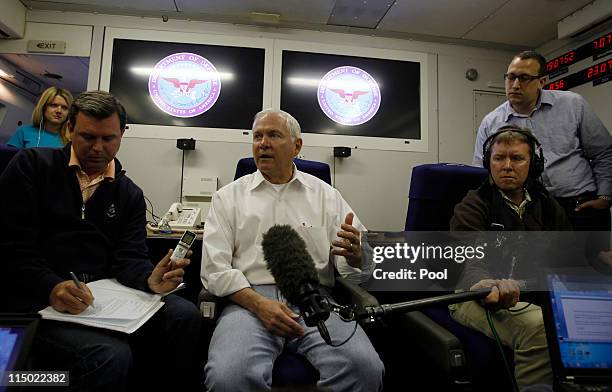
(79,286)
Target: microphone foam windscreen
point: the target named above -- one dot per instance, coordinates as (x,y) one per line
(288,261)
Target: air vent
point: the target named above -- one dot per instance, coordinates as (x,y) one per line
(25,82)
(52,75)
(593,29)
(363,14)
(585,19)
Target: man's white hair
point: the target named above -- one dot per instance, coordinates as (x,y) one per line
(290,121)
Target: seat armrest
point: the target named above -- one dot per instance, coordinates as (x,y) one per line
(442,346)
(209,305)
(352,294)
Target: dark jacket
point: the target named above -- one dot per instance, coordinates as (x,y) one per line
(480,208)
(47,231)
(512,254)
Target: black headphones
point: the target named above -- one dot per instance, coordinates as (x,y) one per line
(536,167)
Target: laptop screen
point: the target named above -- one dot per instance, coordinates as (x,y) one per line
(16,337)
(11,339)
(581,311)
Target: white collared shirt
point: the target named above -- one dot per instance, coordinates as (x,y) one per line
(244,210)
(518,208)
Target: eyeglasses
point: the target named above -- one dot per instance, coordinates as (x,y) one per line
(523,78)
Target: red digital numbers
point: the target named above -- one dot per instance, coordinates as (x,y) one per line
(557,85)
(599,69)
(602,42)
(566,59)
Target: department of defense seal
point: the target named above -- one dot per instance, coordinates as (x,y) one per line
(184,84)
(348,95)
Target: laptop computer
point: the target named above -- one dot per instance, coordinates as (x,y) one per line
(16,337)
(578,322)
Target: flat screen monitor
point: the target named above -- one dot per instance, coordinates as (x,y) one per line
(581,309)
(187,84)
(349,95)
(16,336)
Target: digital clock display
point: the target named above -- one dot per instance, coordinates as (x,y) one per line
(558,84)
(567,59)
(593,73)
(602,43)
(598,70)
(595,47)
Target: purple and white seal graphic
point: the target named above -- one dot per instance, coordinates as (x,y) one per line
(184,84)
(348,95)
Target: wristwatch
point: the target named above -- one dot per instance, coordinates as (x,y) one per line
(606,198)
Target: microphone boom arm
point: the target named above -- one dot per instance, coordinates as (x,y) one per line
(375,313)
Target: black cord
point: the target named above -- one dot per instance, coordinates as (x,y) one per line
(334,166)
(501,351)
(182,168)
(347,339)
(333,308)
(521,309)
(155,217)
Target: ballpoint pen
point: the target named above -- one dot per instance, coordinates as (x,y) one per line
(75,280)
(78,285)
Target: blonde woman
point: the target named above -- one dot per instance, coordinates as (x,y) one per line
(49,121)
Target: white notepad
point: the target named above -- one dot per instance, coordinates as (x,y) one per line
(115,307)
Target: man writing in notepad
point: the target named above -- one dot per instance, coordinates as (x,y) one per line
(74,209)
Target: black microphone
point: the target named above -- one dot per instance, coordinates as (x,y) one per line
(295,275)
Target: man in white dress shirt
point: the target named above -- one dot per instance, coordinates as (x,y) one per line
(257,325)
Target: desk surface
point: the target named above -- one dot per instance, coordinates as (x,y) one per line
(174,235)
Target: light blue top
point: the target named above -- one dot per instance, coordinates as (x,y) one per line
(577,146)
(27,136)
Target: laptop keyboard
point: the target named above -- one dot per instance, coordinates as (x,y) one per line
(587,388)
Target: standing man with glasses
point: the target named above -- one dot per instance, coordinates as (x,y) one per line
(577,146)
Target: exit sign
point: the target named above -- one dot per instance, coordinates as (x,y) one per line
(43,46)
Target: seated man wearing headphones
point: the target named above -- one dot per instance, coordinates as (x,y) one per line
(514,199)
